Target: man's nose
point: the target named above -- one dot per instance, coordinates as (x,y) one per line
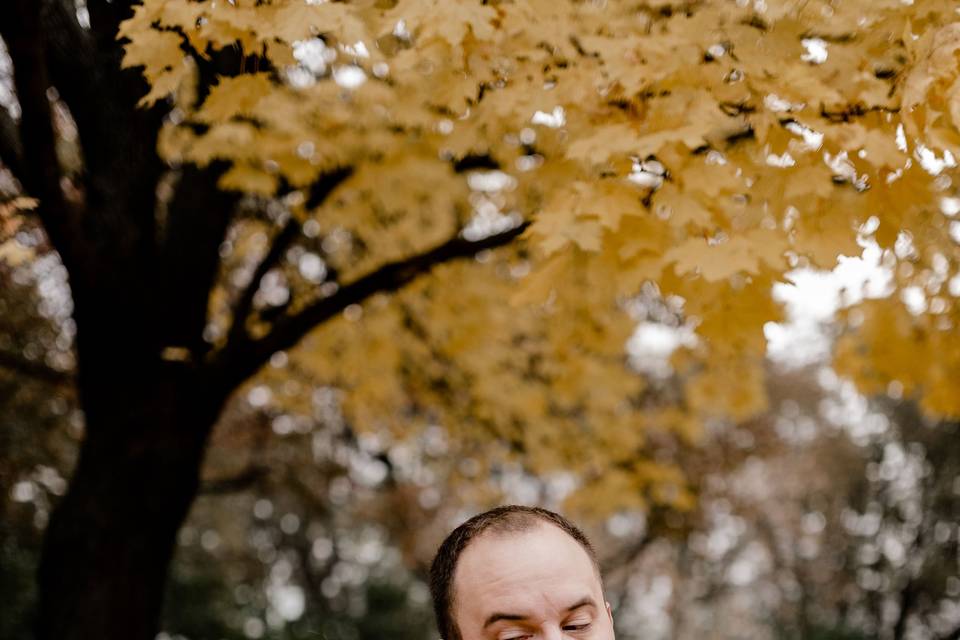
(552,632)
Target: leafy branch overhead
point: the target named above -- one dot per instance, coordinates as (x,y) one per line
(708,147)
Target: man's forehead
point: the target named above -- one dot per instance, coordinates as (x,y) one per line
(496,558)
(537,535)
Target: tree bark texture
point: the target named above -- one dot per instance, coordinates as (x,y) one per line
(110,541)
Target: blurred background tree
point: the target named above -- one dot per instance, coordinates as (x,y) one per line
(827,517)
(251,267)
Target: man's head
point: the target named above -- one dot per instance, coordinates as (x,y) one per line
(518,573)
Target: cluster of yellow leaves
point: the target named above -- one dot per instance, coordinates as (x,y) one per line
(410,201)
(930,95)
(707,147)
(548,385)
(11,219)
(891,346)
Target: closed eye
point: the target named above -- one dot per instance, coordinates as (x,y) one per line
(576,627)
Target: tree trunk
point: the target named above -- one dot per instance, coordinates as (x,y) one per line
(109,542)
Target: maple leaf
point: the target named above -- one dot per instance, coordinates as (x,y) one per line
(747,252)
(561,227)
(166,83)
(445,19)
(234,97)
(155,51)
(228,141)
(183,14)
(249,180)
(823,234)
(682,208)
(812,181)
(298,20)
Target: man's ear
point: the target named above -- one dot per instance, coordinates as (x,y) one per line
(609,611)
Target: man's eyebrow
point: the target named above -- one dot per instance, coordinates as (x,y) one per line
(497,617)
(583,602)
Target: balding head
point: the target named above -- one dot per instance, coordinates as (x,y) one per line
(518,572)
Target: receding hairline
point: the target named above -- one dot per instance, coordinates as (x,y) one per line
(500,521)
(523,524)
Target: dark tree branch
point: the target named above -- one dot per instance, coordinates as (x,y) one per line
(319,192)
(628,555)
(282,242)
(38,370)
(243,480)
(40,173)
(908,596)
(240,361)
(11,151)
(321,189)
(910,591)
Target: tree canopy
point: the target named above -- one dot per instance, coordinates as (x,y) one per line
(707,147)
(454,214)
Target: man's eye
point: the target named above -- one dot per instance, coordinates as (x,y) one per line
(576,627)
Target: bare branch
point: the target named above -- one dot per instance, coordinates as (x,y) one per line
(240,361)
(243,480)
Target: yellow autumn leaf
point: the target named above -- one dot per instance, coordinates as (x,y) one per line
(232,97)
(248,179)
(743,253)
(155,51)
(450,20)
(682,208)
(300,20)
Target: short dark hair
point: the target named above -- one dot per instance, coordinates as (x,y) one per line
(505,519)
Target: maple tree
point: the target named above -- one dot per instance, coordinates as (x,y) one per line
(244,172)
